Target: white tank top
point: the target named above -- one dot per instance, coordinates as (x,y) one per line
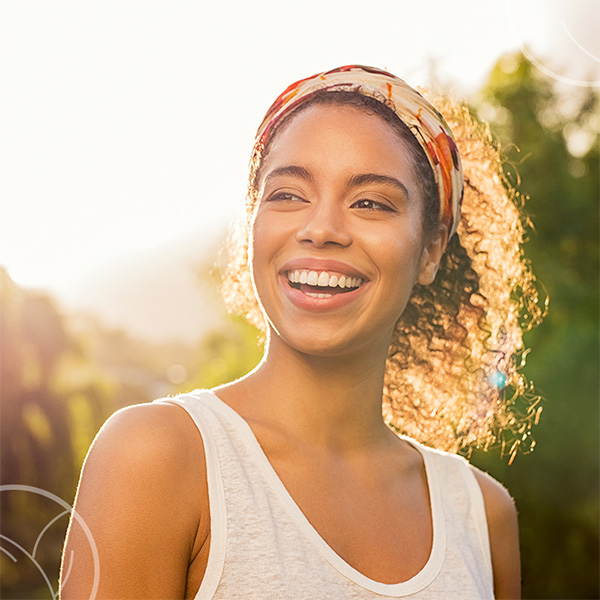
(262,546)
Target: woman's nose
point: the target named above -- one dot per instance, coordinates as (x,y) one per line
(324,224)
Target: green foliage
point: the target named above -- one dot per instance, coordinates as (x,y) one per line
(227,354)
(36,433)
(550,140)
(60,378)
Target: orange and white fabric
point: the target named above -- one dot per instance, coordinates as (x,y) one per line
(420,116)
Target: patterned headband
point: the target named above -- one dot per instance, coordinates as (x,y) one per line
(425,122)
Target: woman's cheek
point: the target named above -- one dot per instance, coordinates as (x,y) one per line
(261,256)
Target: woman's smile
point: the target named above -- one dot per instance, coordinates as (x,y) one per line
(321,284)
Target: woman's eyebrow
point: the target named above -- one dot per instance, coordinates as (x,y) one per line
(367,178)
(293,170)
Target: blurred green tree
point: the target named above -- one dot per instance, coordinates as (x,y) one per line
(35,432)
(61,376)
(549,136)
(53,400)
(34,424)
(226,354)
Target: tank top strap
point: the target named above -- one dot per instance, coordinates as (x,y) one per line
(463,504)
(262,545)
(207,423)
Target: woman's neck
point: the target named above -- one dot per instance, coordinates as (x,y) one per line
(333,402)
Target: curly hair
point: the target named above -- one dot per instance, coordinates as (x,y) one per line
(452,377)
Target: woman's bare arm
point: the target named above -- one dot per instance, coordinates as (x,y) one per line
(143,497)
(504,537)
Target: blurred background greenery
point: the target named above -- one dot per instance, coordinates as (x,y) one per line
(62,374)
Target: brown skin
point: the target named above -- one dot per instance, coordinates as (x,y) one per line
(144,497)
(314,402)
(152,529)
(504,536)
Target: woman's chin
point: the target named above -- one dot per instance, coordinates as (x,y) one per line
(327,344)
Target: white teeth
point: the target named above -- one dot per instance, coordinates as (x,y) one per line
(318,295)
(323,279)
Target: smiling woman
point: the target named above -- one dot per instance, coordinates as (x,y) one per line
(376,293)
(462,335)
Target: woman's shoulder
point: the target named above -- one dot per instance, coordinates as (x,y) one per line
(142,487)
(494,493)
(503,530)
(147,448)
(498,501)
(147,432)
(500,516)
(499,505)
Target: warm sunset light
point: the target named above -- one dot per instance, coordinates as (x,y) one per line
(126,132)
(126,127)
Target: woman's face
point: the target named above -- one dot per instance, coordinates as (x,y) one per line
(338,242)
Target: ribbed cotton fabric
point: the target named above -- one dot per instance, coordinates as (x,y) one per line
(263,547)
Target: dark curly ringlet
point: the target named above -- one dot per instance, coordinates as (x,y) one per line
(452,375)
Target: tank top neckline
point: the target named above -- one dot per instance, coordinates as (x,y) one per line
(411,586)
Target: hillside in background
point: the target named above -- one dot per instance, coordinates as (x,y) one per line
(161,294)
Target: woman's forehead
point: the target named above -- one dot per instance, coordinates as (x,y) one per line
(341,147)
(321,132)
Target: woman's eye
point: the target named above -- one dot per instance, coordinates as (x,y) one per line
(368,204)
(284,197)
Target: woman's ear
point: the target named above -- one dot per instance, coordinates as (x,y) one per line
(432,255)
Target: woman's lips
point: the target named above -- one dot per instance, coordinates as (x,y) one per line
(315,297)
(321,284)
